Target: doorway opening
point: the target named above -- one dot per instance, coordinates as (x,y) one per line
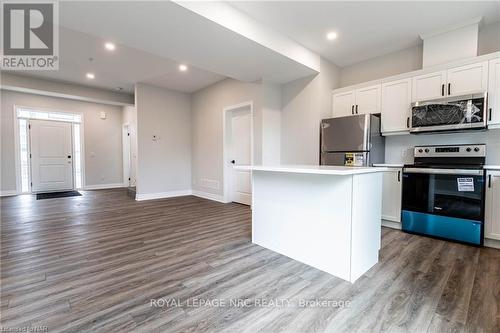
(238,150)
(49,150)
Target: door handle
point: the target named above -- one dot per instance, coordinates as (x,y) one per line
(69,156)
(449,88)
(356,108)
(489,181)
(442,89)
(352,109)
(233,162)
(399,176)
(489,116)
(407,122)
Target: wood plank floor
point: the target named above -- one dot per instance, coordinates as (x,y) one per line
(94,263)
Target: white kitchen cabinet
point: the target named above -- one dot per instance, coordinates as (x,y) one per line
(364,100)
(343,104)
(396,106)
(467,79)
(492,216)
(494,93)
(429,86)
(392,195)
(368,100)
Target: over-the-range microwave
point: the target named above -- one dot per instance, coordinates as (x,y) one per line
(450,114)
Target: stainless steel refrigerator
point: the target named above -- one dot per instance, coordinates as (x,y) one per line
(352,141)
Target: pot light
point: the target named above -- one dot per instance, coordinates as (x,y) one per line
(331,35)
(90,76)
(110,46)
(183,68)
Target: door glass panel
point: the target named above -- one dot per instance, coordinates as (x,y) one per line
(23,145)
(443,195)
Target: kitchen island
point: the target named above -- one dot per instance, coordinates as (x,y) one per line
(328,217)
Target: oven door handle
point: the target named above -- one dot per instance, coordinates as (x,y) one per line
(445,171)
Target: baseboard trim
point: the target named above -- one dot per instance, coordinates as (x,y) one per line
(8,193)
(162,195)
(494,243)
(391,224)
(209,196)
(104,186)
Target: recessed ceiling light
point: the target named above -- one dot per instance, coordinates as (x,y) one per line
(110,46)
(183,68)
(90,76)
(331,35)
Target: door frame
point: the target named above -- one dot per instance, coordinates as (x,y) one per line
(226,139)
(126,149)
(17,144)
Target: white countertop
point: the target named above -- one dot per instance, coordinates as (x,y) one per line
(313,169)
(492,167)
(389,165)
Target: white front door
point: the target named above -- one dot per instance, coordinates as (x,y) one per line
(241,154)
(51,155)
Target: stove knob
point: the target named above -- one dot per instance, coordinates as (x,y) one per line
(476,149)
(426,150)
(420,151)
(468,149)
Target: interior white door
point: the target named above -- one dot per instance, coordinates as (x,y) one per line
(429,86)
(51,155)
(368,100)
(343,104)
(467,79)
(241,154)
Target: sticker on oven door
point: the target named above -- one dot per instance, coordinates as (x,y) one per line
(465,184)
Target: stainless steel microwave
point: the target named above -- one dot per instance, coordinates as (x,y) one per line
(450,114)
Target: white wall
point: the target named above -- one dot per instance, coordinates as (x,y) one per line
(64,90)
(304,103)
(164,165)
(398,149)
(410,59)
(207,130)
(103,138)
(130,119)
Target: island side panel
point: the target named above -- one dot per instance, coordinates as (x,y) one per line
(306,217)
(366,222)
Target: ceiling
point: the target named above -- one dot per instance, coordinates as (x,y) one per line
(121,68)
(365,29)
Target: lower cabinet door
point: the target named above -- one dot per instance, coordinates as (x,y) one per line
(391,195)
(492,216)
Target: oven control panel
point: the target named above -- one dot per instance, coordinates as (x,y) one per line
(478,150)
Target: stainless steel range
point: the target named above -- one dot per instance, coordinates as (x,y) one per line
(443,192)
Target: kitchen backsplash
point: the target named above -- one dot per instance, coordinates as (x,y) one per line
(399,149)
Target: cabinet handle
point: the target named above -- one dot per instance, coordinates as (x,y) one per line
(449,88)
(399,176)
(489,116)
(442,89)
(489,181)
(407,122)
(352,109)
(356,108)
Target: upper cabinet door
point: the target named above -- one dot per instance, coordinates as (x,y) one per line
(343,104)
(494,93)
(467,79)
(429,86)
(368,100)
(396,106)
